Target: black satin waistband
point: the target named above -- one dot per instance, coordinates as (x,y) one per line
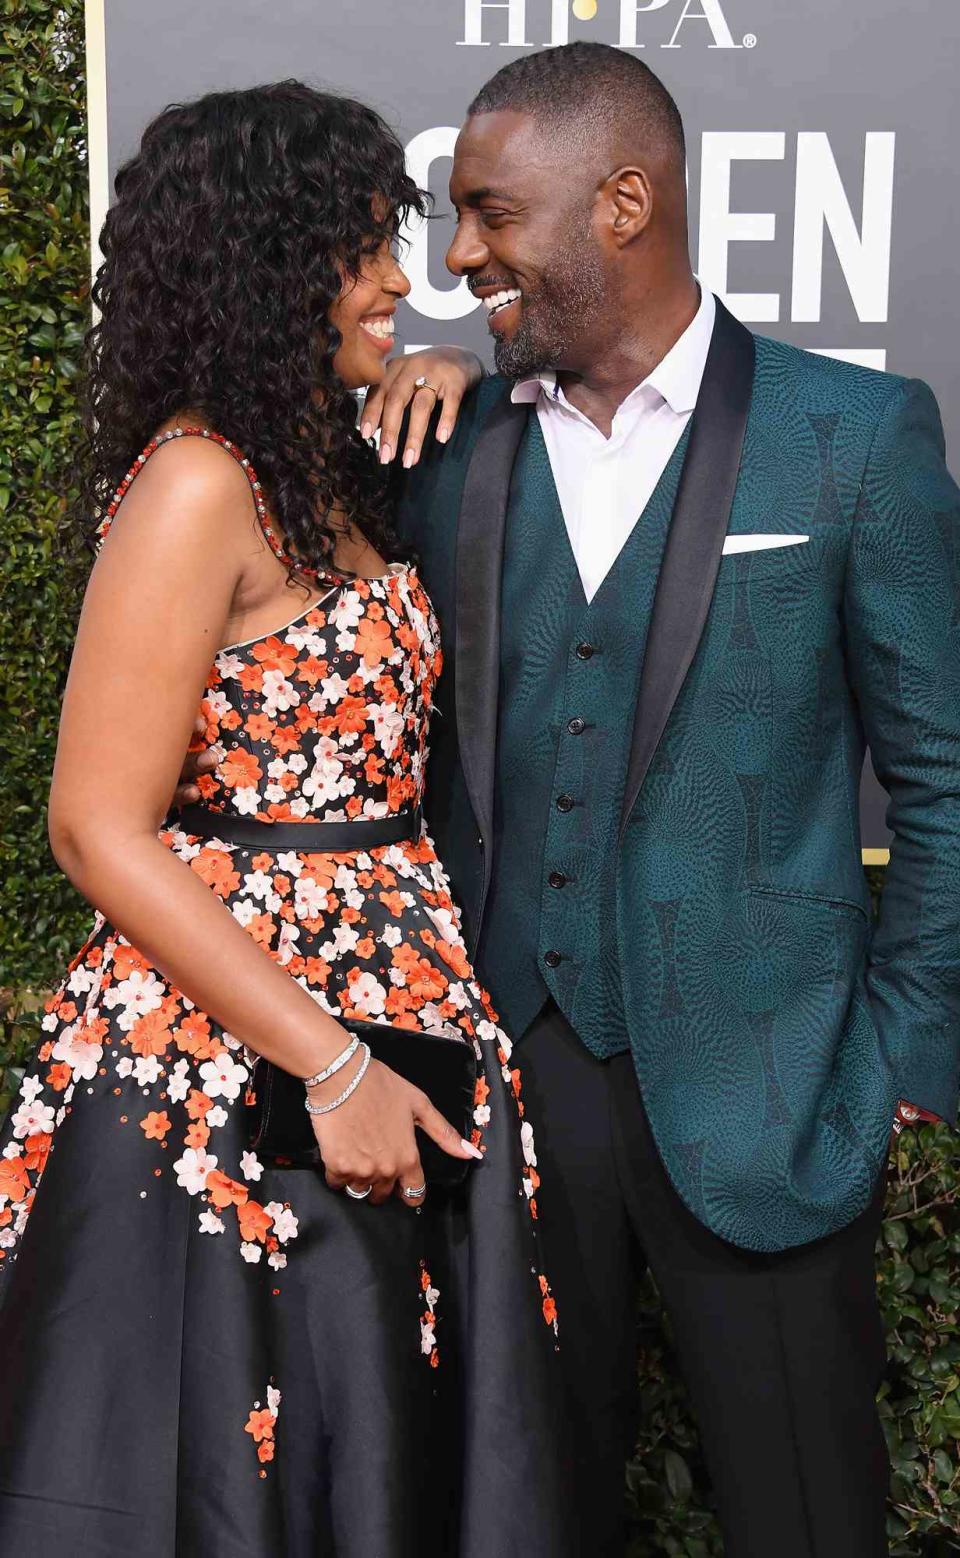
(327,838)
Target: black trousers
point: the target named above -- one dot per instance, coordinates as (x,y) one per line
(782,1354)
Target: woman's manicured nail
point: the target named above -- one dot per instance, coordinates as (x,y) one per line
(386,454)
(471,1149)
(366,430)
(443,433)
(409,457)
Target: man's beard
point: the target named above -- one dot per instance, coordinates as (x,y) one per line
(554,316)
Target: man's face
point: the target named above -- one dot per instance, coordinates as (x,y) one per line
(526,244)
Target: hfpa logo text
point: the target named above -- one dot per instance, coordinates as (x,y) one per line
(630,23)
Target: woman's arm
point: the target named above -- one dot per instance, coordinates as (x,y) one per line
(152,621)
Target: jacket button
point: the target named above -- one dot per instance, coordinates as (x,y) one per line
(586,651)
(565,803)
(552,959)
(576,726)
(557,879)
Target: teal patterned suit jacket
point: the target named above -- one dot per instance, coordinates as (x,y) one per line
(773,1029)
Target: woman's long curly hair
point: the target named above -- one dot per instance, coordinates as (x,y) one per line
(222,254)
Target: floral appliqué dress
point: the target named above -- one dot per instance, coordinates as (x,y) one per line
(207,1356)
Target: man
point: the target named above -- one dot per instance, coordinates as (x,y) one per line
(692,574)
(667,641)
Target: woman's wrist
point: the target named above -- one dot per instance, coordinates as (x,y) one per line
(332,1067)
(327,1096)
(335,1068)
(304,1049)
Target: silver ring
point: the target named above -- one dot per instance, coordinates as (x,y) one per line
(414,1192)
(421,383)
(357,1195)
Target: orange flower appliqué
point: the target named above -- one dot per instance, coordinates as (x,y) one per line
(155,1125)
(224,1191)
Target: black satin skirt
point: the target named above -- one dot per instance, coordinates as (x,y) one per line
(384,1386)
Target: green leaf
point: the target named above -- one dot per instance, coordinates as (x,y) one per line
(903,1277)
(677,1471)
(943,1466)
(895,1235)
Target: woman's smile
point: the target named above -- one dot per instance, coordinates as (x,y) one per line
(380,328)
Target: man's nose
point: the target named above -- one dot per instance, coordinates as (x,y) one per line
(467,253)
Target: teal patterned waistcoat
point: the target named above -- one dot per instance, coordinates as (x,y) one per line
(551,913)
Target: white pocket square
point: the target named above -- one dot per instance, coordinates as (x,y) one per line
(759,543)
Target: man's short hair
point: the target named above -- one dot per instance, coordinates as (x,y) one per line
(590,82)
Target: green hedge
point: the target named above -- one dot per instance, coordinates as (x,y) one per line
(43,311)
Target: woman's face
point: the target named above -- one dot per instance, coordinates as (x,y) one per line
(363,314)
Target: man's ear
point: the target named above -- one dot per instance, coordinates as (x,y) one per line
(629,202)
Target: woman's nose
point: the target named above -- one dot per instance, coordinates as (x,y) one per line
(397,281)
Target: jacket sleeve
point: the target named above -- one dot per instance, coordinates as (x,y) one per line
(902,619)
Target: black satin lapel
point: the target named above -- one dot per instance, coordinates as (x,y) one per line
(691,557)
(483,513)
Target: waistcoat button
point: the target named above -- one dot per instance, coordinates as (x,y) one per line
(586,651)
(552,959)
(565,803)
(576,726)
(557,879)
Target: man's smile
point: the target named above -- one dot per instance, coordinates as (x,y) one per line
(495,294)
(501,300)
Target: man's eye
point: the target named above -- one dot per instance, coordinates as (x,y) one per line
(493,216)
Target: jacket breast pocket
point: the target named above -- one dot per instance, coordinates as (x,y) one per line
(795,565)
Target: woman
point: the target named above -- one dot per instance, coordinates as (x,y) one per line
(205,1353)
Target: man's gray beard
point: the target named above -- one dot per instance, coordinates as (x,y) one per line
(528,353)
(544,334)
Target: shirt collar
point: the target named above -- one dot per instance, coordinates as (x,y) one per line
(676,378)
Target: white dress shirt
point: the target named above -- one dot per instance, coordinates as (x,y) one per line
(604,484)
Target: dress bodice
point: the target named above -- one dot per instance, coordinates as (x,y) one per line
(326,718)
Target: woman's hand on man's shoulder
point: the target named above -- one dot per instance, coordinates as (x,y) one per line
(448,372)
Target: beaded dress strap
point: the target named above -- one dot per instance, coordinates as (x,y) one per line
(273,540)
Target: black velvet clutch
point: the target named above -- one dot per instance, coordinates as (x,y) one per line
(445,1069)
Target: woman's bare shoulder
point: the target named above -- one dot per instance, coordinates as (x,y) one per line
(189,486)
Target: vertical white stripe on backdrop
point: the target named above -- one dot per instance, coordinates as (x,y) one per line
(98,166)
